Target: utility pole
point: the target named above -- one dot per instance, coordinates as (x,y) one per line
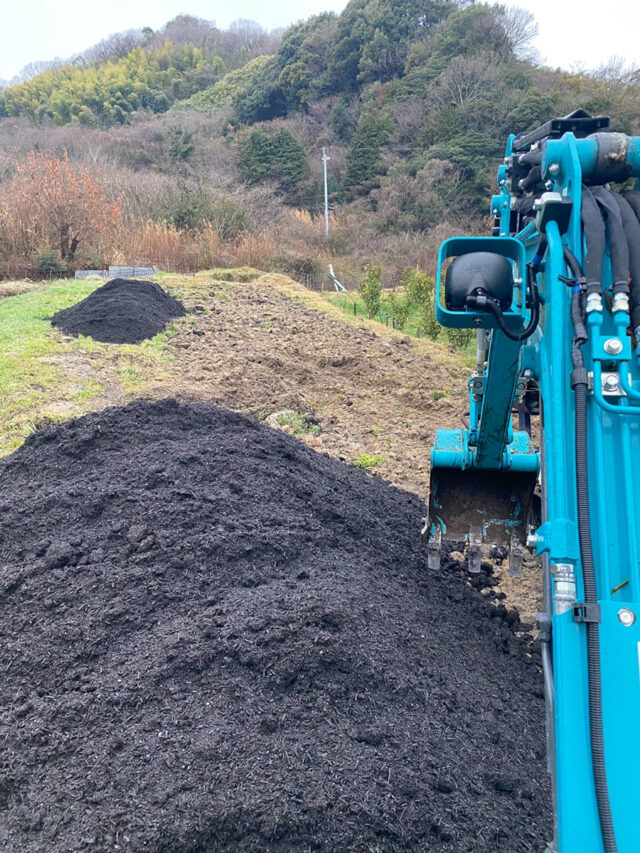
(326,196)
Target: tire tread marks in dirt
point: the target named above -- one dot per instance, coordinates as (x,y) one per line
(122,311)
(216,639)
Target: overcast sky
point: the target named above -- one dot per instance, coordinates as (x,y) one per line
(571,33)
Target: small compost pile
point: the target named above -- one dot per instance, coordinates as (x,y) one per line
(122,311)
(215,639)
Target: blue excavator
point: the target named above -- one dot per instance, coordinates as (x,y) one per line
(554,296)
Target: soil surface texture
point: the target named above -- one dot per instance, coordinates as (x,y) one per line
(217,639)
(122,311)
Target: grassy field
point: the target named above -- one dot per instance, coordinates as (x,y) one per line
(34,387)
(47,377)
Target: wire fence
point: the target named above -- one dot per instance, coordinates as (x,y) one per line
(349,282)
(138,268)
(149,266)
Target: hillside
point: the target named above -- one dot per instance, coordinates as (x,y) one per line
(210,142)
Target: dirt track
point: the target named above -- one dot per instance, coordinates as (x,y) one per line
(266,349)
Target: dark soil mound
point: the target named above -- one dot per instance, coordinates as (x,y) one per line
(215,639)
(122,311)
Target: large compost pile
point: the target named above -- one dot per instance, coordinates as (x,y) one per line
(216,639)
(122,311)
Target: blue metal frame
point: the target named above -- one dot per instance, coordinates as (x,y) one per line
(614,490)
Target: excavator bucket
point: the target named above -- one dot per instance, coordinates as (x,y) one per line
(479,507)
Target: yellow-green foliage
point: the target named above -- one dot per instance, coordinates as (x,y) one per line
(368,460)
(106,94)
(225,90)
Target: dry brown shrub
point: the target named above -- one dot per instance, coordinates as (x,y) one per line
(51,204)
(253,250)
(155,243)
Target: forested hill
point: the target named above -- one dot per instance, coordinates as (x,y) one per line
(409,81)
(201,128)
(133,73)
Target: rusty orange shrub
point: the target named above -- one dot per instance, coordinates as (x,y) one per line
(51,204)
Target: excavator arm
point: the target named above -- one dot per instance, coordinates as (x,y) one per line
(555,298)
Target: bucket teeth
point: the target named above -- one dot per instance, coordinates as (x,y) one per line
(516,553)
(475,549)
(434,549)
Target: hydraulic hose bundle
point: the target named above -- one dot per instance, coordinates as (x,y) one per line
(590,609)
(629,203)
(606,217)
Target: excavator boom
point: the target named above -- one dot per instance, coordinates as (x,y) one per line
(555,298)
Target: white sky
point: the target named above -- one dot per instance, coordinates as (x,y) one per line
(572,32)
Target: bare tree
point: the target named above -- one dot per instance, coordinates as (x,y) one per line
(466,80)
(617,77)
(250,33)
(187,29)
(115,46)
(32,69)
(521,29)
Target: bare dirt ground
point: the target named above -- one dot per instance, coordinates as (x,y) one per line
(351,388)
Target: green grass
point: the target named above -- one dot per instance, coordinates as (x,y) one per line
(298,423)
(346,302)
(33,380)
(368,460)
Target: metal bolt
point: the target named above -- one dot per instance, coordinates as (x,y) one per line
(532,540)
(613,346)
(528,373)
(611,382)
(626,616)
(554,169)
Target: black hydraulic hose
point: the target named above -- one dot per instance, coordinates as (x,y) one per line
(573,264)
(593,628)
(632,232)
(531,158)
(594,233)
(579,382)
(494,306)
(633,197)
(617,239)
(532,179)
(483,302)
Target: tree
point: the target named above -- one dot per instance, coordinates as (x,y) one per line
(342,121)
(181,146)
(52,205)
(521,28)
(279,157)
(370,289)
(363,156)
(251,34)
(532,111)
(373,38)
